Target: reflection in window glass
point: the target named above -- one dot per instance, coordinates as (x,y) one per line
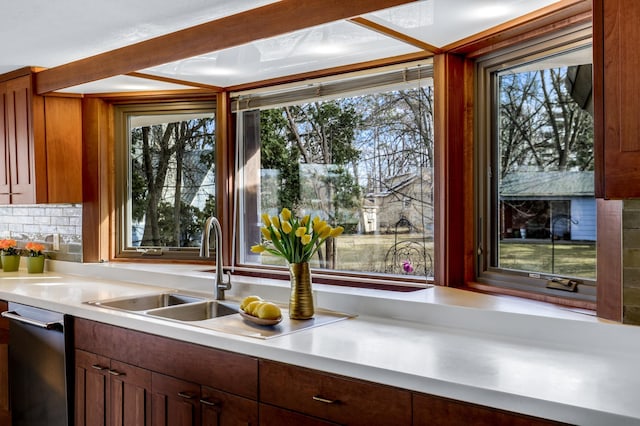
(171,178)
(362,162)
(546,210)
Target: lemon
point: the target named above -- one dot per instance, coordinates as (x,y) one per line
(252,307)
(248,300)
(268,310)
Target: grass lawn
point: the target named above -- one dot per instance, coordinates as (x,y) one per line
(570,259)
(367,253)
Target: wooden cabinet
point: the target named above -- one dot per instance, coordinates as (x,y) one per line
(175,402)
(616,35)
(276,416)
(125,377)
(40,145)
(181,383)
(333,398)
(429,410)
(5,416)
(178,402)
(110,392)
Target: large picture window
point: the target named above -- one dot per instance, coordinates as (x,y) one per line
(361,158)
(540,189)
(167,189)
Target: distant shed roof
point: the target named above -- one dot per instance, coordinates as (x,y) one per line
(540,185)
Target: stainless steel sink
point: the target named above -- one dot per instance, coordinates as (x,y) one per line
(148,302)
(195,311)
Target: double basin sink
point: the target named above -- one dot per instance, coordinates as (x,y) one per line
(172,306)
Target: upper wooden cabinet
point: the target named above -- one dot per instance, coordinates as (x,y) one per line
(40,145)
(616,35)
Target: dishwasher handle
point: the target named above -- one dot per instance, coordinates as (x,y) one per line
(13,315)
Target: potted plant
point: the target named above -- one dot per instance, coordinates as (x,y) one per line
(296,240)
(35,257)
(10,255)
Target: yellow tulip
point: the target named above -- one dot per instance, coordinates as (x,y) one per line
(301,231)
(265,219)
(259,248)
(335,232)
(316,220)
(319,225)
(286,227)
(266,233)
(277,233)
(325,231)
(286,214)
(305,220)
(275,221)
(306,239)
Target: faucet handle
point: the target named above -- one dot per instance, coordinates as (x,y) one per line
(226,283)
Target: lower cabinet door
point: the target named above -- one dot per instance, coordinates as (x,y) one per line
(175,402)
(92,389)
(224,409)
(130,388)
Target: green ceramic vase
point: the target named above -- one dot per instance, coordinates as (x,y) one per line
(10,263)
(35,264)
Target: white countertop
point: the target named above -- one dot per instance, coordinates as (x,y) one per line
(501,352)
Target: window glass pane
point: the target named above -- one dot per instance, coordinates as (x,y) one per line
(361,162)
(546,210)
(171,187)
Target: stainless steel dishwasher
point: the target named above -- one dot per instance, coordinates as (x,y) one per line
(40,368)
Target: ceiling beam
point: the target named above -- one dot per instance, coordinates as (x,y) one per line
(366,23)
(259,23)
(175,81)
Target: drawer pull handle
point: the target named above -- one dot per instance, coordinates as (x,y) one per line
(325,400)
(116,373)
(98,367)
(208,402)
(186,395)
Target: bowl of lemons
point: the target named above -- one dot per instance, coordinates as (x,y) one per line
(258,311)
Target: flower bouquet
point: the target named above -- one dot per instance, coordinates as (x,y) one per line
(35,257)
(296,240)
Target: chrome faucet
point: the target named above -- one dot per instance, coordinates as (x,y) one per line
(221,284)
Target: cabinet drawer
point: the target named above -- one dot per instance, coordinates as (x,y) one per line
(334,398)
(429,410)
(195,363)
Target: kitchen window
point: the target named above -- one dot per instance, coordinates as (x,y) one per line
(356,151)
(537,158)
(166,185)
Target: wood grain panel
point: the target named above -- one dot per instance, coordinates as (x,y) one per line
(92,389)
(63,129)
(221,408)
(609,259)
(629,64)
(175,402)
(20,140)
(334,398)
(5,178)
(453,152)
(429,410)
(274,19)
(275,416)
(198,364)
(616,37)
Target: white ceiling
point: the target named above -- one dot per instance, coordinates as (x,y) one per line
(49,33)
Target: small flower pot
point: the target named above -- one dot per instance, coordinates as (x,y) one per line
(35,264)
(10,263)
